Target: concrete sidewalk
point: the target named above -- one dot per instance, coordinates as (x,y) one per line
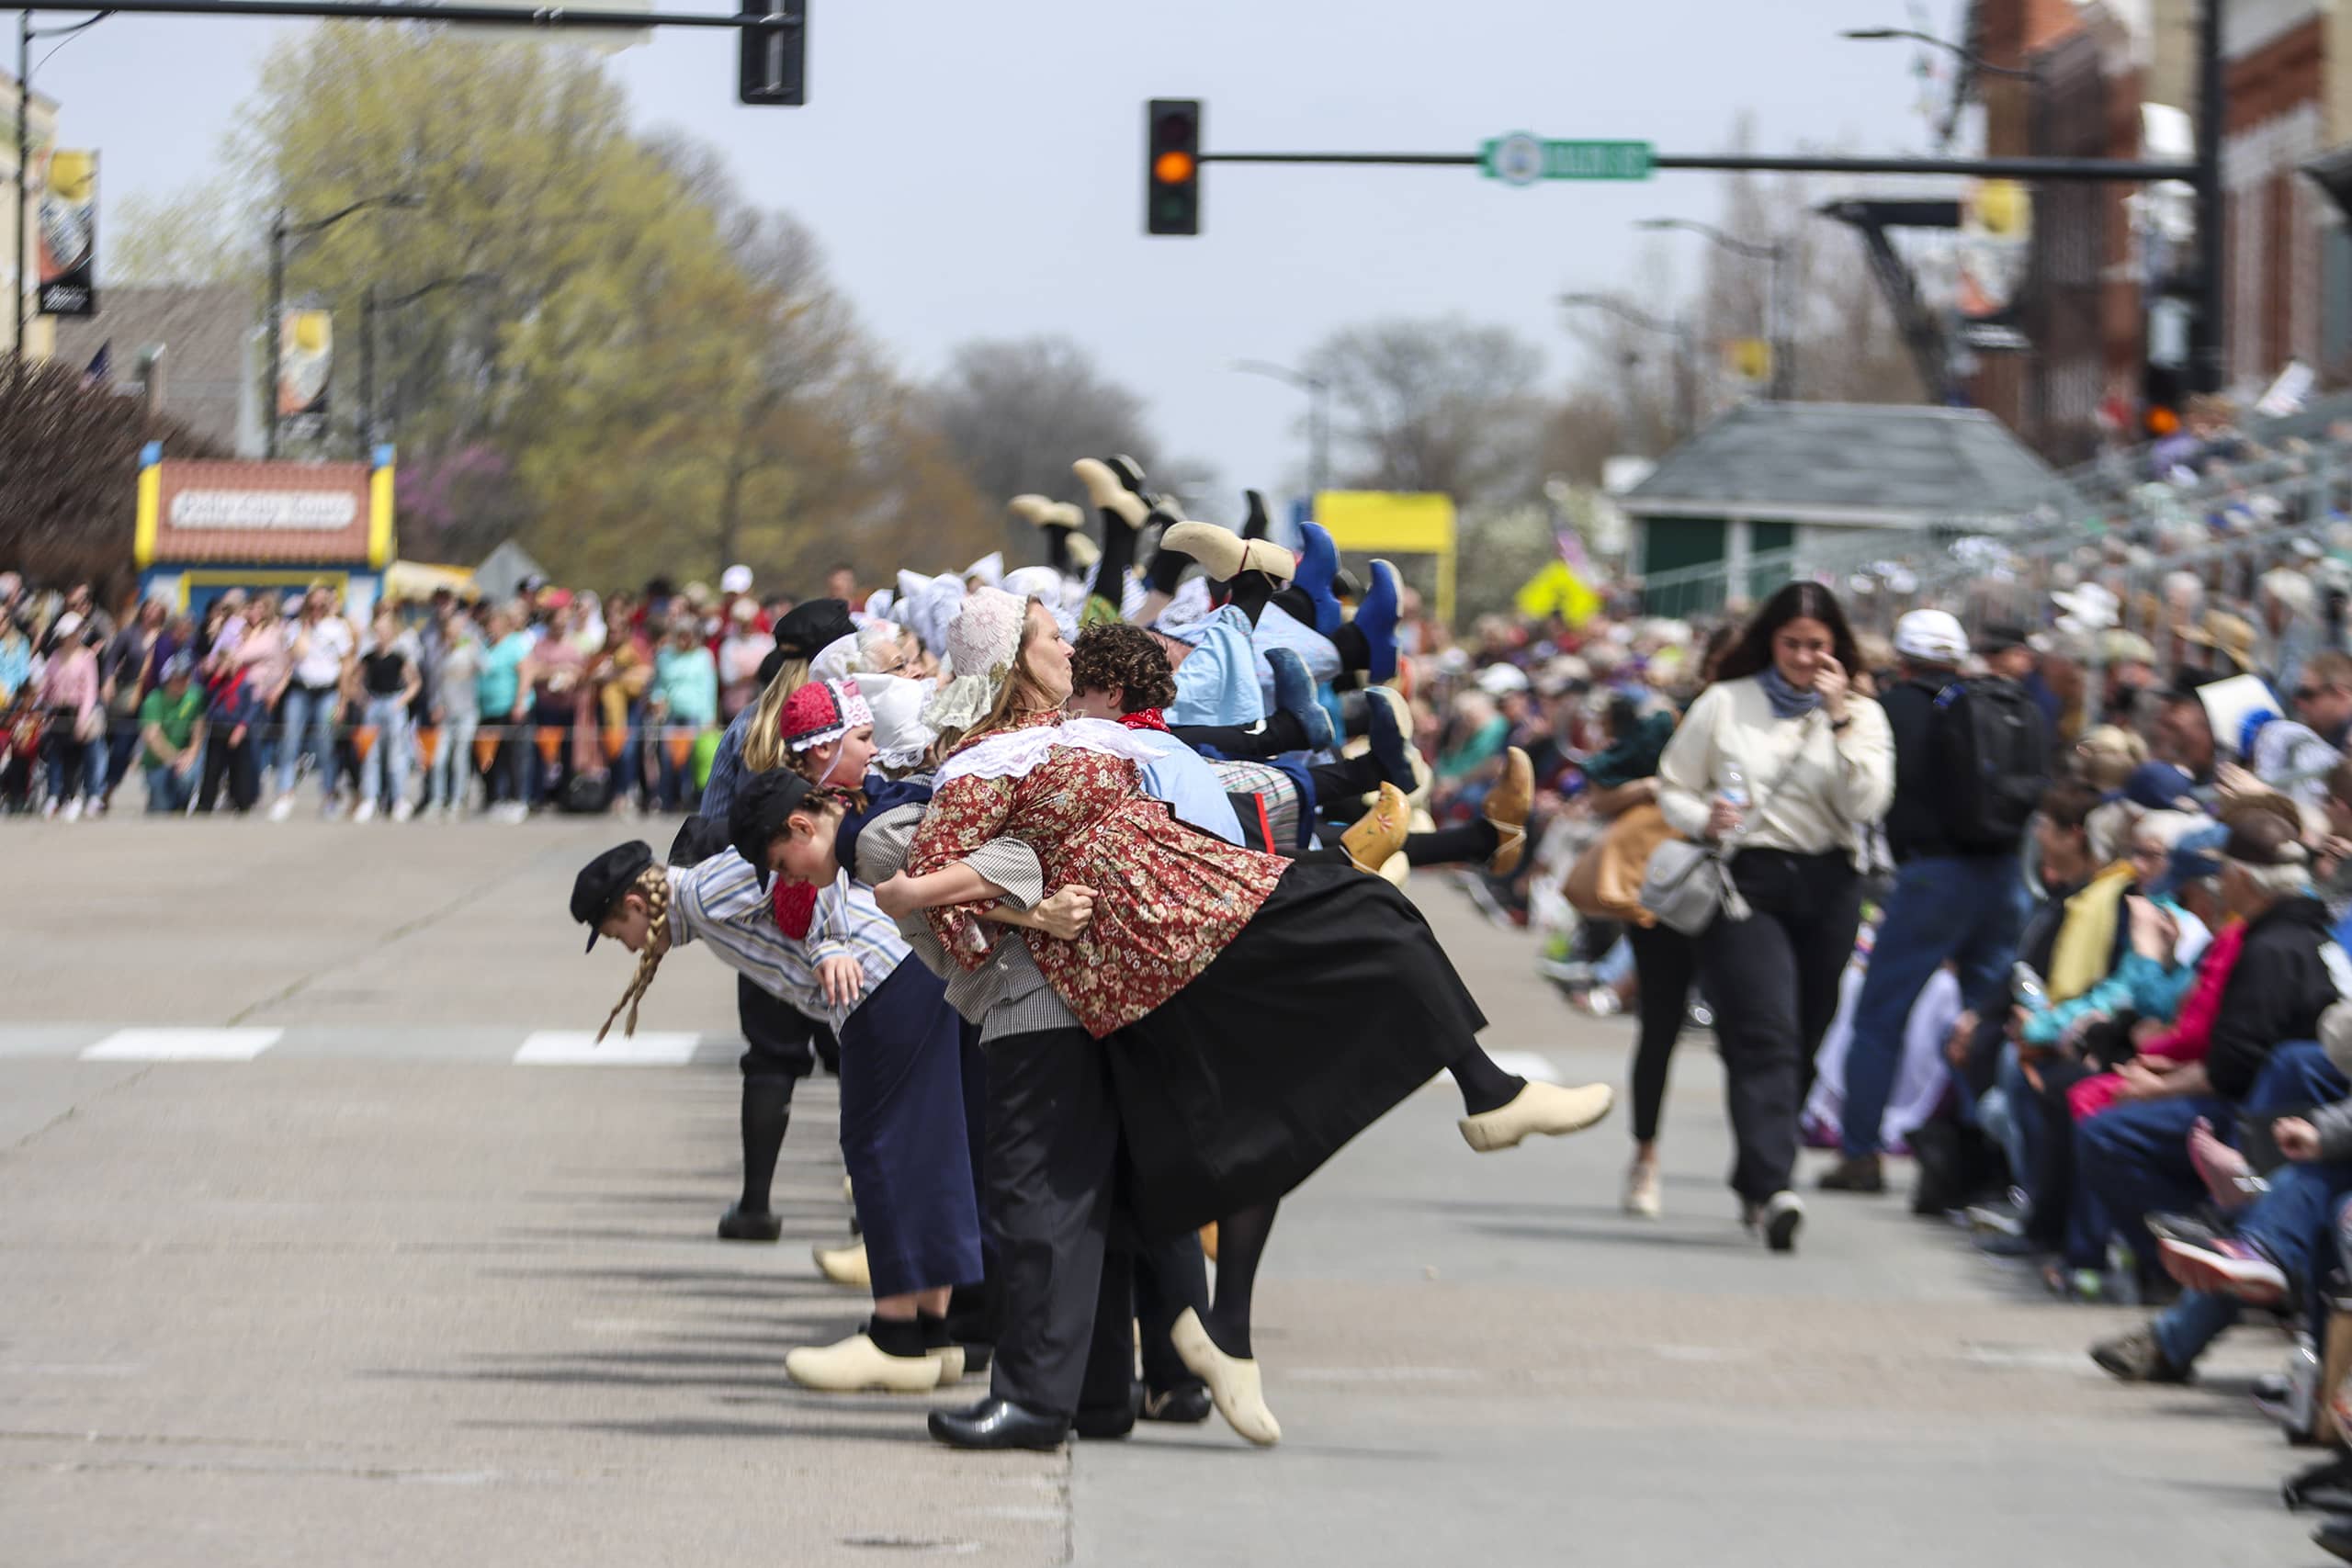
(398,1302)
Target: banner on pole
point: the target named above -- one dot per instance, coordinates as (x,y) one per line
(305,366)
(68,221)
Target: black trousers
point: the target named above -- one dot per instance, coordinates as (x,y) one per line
(1145,1287)
(1774,977)
(1049,1190)
(238,765)
(1665,962)
(779,1035)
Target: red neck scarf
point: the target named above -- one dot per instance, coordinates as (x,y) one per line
(796,905)
(1145,718)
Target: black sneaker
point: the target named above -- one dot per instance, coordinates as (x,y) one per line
(1857,1173)
(2335,1537)
(1781,1216)
(2137,1357)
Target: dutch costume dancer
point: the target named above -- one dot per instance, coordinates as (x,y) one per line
(903,1106)
(1259,1012)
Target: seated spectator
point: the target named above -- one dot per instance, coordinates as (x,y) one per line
(171,732)
(2279,1248)
(2134,1158)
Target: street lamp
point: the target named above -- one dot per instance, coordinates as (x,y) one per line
(25,33)
(369,307)
(1967,57)
(1686,413)
(280,231)
(1777,313)
(1971,64)
(1319,416)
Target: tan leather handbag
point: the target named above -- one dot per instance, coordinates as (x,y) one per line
(1606,881)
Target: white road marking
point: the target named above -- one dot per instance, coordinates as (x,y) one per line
(578,1048)
(183,1045)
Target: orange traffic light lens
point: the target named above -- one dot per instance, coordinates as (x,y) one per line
(1172,168)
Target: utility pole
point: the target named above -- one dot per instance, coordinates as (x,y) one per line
(2208,368)
(280,231)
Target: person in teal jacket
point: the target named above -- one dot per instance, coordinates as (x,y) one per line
(2149,987)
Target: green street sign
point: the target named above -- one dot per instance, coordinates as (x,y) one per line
(1521,159)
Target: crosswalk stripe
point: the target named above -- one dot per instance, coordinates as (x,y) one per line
(183,1045)
(578,1048)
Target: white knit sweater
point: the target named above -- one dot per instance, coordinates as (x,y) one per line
(1838,785)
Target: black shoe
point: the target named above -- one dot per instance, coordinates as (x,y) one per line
(999,1423)
(1856,1173)
(2335,1536)
(2137,1357)
(1104,1425)
(737,1225)
(1186,1404)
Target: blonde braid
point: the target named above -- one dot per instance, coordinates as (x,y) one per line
(654,883)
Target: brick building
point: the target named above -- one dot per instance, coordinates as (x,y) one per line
(2289,246)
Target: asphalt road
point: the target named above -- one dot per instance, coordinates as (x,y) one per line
(320,1243)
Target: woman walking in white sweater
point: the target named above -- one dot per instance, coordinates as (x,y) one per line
(1786,767)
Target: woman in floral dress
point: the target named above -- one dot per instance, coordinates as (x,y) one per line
(1257,1012)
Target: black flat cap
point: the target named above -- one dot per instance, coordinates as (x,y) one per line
(806,630)
(759,810)
(602,882)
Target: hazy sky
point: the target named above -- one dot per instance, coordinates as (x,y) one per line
(975,169)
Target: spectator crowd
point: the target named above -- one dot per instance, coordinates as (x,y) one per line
(550,699)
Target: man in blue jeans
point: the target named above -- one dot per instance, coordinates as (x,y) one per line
(2260,1058)
(1958,899)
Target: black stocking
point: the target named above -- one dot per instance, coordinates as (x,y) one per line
(1271,735)
(1251,592)
(1472,844)
(1118,558)
(1057,549)
(1166,570)
(1241,1243)
(1297,605)
(767,1111)
(1346,779)
(1258,525)
(1355,649)
(1485,1087)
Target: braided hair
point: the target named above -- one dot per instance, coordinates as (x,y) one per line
(653,882)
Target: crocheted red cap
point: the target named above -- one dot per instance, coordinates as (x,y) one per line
(821,711)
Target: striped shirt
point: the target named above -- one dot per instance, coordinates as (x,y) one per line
(719,901)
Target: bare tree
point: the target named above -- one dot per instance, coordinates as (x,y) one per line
(1438,404)
(1017,411)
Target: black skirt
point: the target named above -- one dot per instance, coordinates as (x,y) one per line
(1334,1003)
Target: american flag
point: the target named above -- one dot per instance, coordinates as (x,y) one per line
(101,368)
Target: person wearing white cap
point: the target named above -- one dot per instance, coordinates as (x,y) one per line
(1960,892)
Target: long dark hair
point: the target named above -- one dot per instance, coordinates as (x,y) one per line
(1752,654)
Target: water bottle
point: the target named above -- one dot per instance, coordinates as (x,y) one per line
(2025,986)
(1734,789)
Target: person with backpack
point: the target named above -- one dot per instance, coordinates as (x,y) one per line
(1971,761)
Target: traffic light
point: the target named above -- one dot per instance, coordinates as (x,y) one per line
(773,61)
(1171,171)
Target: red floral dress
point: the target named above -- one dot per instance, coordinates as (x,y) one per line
(1168,898)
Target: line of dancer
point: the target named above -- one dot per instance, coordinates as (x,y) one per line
(1108,937)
